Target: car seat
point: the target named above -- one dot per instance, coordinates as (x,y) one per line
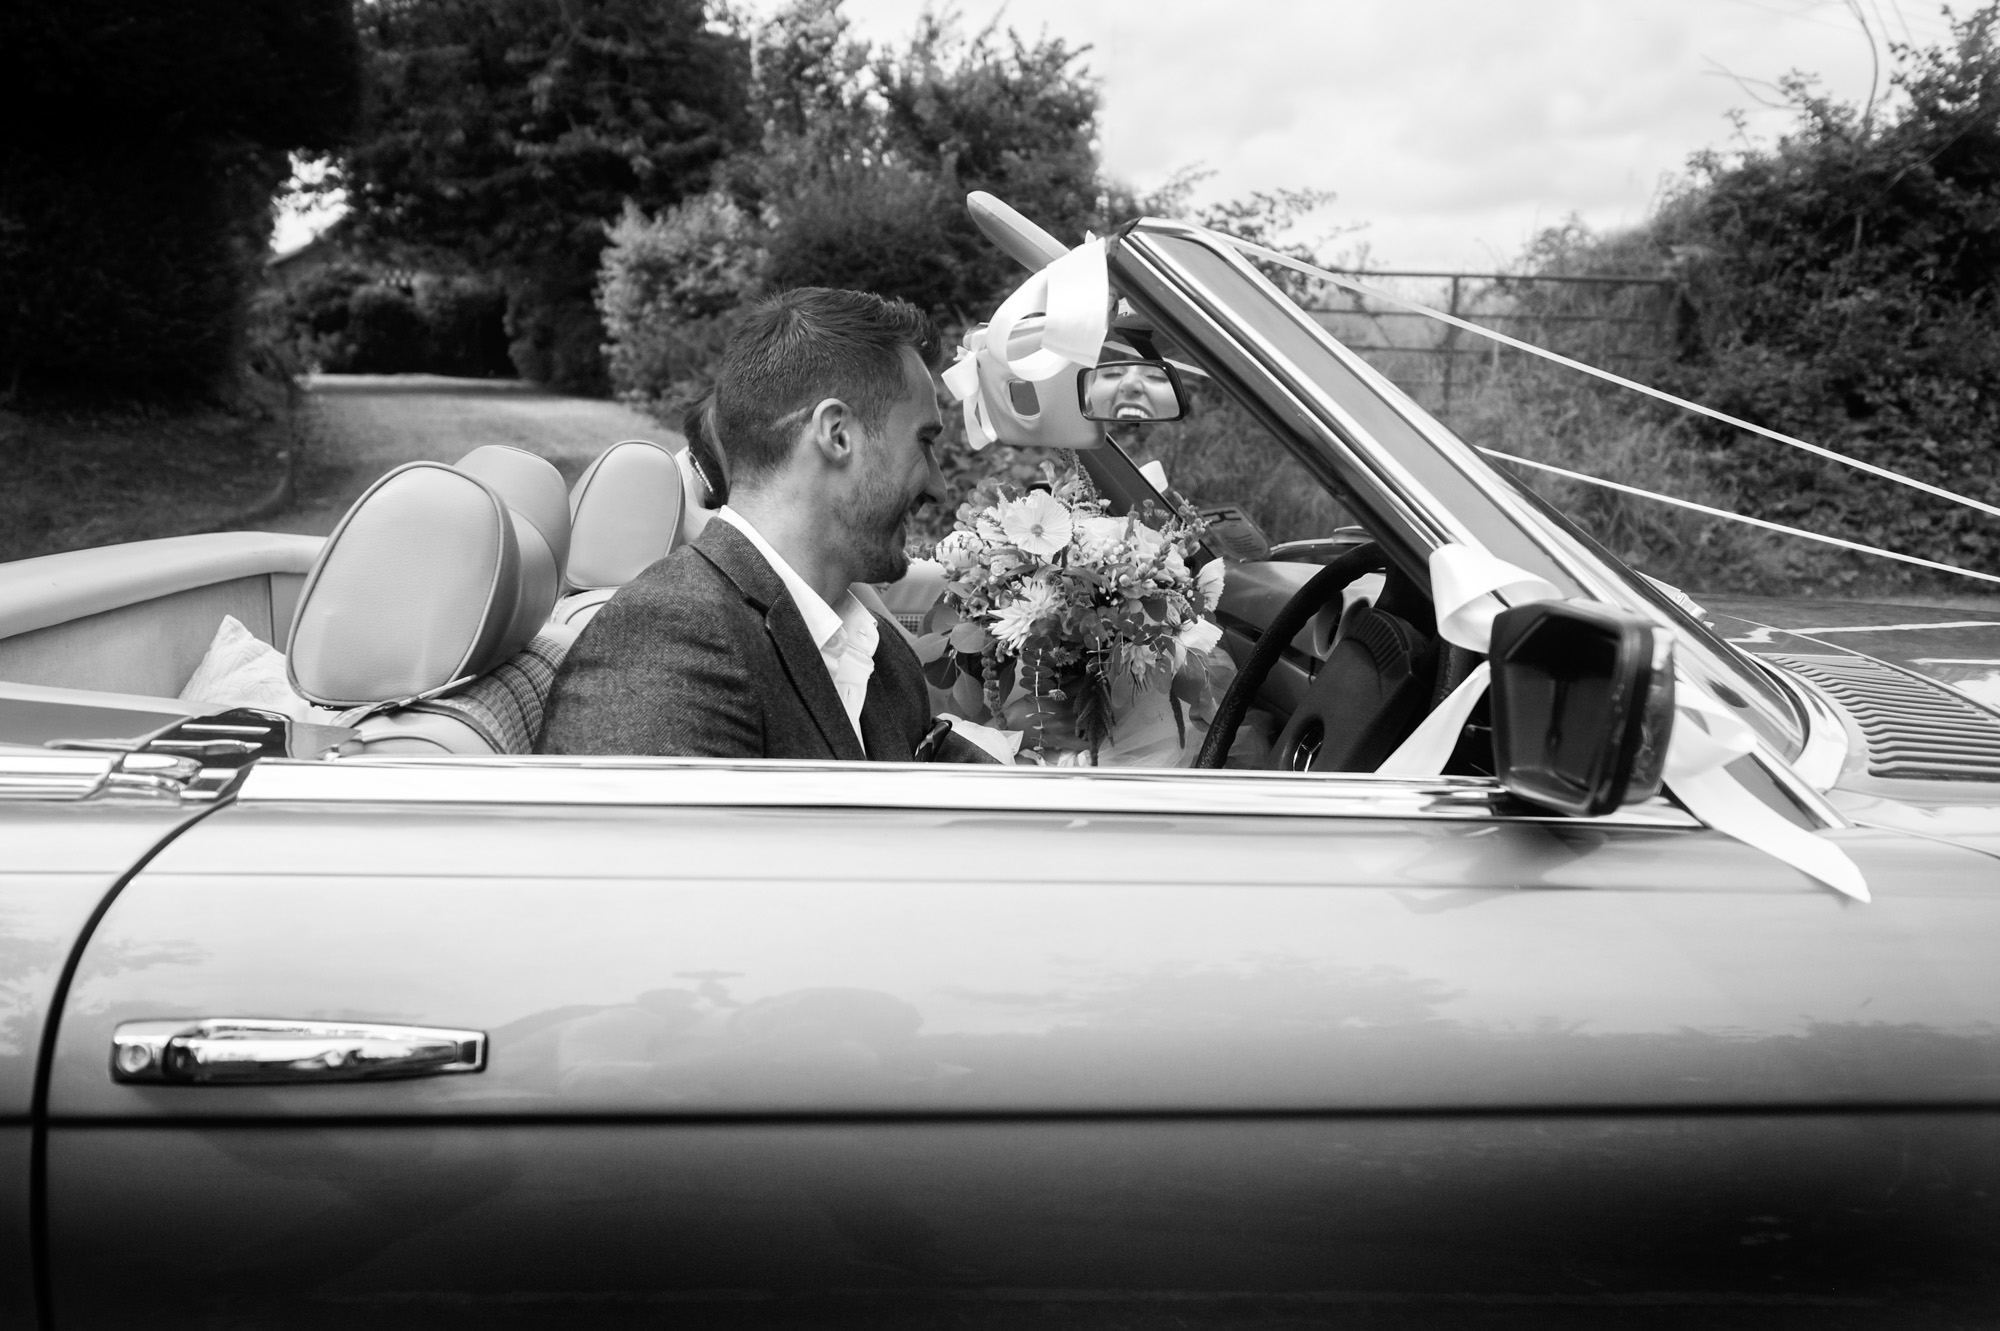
(627,510)
(425,617)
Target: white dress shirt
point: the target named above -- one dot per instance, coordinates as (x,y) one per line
(845,634)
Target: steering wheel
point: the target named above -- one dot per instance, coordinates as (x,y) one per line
(1306,602)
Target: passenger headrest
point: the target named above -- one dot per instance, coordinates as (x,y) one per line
(429,578)
(531,486)
(625,513)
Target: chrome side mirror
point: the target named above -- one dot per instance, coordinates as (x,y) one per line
(1131,390)
(1583,703)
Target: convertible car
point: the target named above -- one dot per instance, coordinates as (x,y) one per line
(356,1013)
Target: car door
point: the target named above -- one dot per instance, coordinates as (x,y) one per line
(66,840)
(788,1044)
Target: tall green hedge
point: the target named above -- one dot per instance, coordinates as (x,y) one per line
(136,179)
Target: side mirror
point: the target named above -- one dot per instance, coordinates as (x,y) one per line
(1583,702)
(1131,390)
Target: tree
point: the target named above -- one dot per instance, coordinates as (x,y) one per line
(135,201)
(504,134)
(867,154)
(1841,287)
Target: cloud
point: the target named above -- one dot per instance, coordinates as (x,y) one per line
(1454,128)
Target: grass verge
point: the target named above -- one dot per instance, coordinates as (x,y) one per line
(84,478)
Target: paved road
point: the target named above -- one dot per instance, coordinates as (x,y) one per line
(358,426)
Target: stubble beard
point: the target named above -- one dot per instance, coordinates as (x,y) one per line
(876,523)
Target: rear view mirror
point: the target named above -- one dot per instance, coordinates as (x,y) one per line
(1583,701)
(1131,390)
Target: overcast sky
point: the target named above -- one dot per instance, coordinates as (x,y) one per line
(1454,129)
(1451,130)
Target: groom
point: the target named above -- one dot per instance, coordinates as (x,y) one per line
(748,643)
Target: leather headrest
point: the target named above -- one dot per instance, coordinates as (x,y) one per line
(530,485)
(429,578)
(624,514)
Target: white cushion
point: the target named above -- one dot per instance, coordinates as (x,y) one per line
(240,671)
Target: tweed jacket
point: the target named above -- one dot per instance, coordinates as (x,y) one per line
(704,654)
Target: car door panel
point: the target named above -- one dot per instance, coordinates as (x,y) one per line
(57,862)
(17,1288)
(937,1064)
(731,961)
(1730,1220)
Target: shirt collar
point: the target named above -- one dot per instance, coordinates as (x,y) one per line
(822,620)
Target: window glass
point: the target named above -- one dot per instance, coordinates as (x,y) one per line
(1220,455)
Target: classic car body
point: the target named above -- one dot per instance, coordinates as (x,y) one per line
(773,1044)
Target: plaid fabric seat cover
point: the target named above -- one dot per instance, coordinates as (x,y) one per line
(504,706)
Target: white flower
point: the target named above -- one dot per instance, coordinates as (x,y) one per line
(1208,584)
(958,551)
(1037,523)
(1097,537)
(1199,636)
(1017,619)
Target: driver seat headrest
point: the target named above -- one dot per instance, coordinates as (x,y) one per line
(430,578)
(531,486)
(625,514)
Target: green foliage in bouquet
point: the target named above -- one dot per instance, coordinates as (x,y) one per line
(1063,607)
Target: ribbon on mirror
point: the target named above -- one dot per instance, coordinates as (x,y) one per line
(1467,588)
(1071,299)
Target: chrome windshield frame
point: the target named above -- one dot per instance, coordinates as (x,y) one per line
(1409,508)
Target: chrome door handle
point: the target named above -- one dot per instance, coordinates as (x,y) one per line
(250,1050)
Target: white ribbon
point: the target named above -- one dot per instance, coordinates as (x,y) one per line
(1467,587)
(962,378)
(1470,587)
(1072,297)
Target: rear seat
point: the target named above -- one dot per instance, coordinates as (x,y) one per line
(426,615)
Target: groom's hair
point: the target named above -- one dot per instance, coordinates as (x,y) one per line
(796,349)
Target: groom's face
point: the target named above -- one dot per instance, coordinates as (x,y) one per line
(896,474)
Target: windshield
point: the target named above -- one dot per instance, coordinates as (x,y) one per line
(1353,425)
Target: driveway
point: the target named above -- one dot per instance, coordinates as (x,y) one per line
(358,426)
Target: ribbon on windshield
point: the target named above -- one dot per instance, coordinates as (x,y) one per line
(1070,302)
(1469,587)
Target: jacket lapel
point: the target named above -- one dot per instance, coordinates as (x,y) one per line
(738,560)
(886,734)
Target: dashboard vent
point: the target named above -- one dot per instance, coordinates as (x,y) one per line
(1915,730)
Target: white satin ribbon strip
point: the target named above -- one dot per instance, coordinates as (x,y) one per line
(1429,746)
(1074,296)
(1707,737)
(1466,587)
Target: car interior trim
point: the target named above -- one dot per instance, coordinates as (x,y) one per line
(55,589)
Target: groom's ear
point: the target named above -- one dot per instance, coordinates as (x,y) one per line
(832,429)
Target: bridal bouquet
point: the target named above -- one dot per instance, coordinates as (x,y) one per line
(1072,621)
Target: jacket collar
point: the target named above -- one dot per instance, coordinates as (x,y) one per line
(732,554)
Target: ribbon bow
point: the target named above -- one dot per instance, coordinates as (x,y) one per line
(1072,296)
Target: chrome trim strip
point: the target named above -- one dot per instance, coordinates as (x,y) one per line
(734,783)
(54,776)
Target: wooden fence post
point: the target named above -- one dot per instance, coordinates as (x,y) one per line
(1450,348)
